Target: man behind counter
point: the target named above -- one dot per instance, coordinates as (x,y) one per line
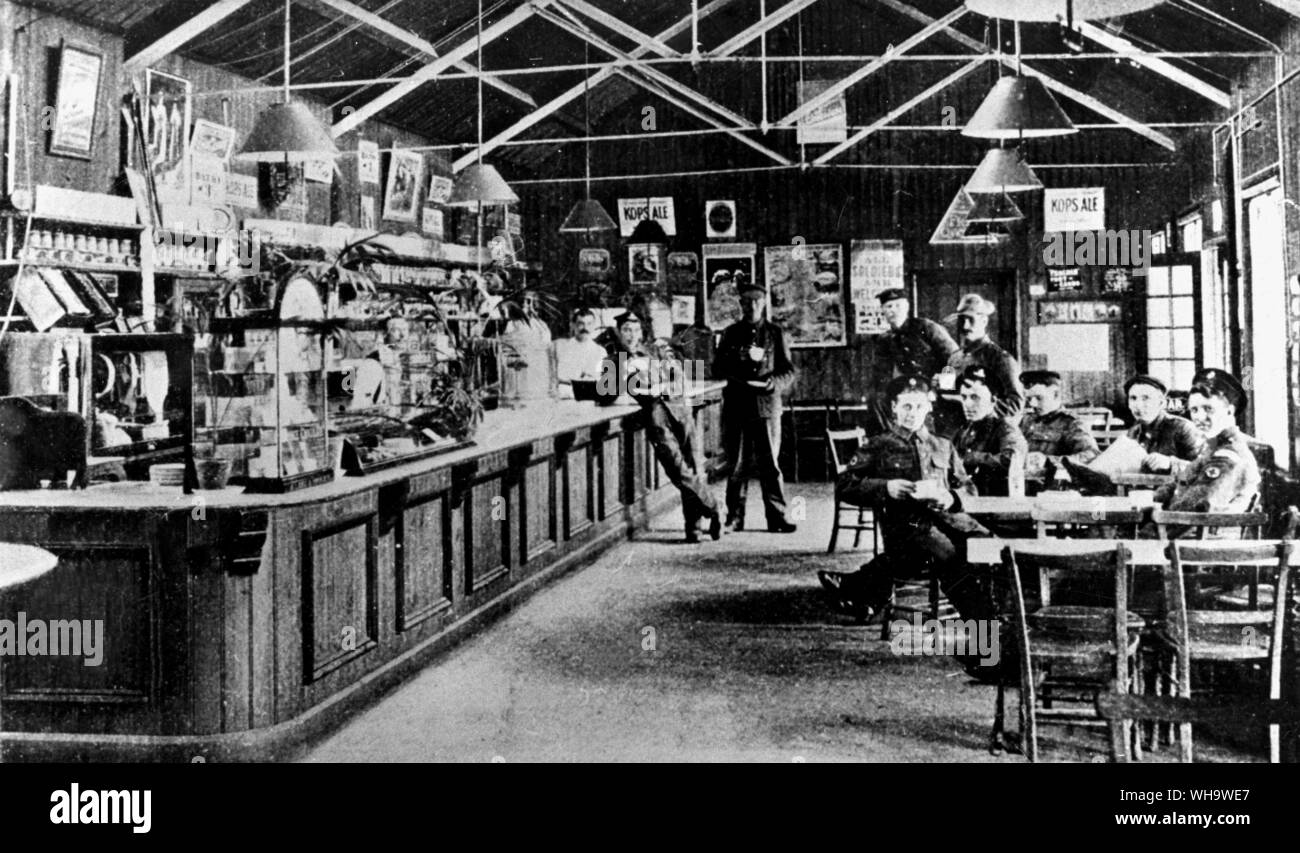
(580,357)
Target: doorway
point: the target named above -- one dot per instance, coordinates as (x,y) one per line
(939,291)
(1265,370)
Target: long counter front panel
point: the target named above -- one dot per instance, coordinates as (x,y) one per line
(240,627)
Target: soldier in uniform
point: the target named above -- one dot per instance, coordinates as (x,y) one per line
(988,444)
(914,480)
(1053,434)
(653,376)
(913,346)
(1225,477)
(972,320)
(753,359)
(1171,442)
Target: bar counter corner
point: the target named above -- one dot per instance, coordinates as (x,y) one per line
(244,627)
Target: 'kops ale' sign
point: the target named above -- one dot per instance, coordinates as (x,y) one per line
(1079,209)
(633,210)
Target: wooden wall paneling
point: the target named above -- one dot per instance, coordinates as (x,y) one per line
(267,621)
(538,491)
(581,488)
(423,562)
(340,602)
(612,472)
(290,608)
(489,520)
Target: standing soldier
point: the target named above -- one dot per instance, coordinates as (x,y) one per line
(972,319)
(989,446)
(1053,433)
(753,359)
(913,346)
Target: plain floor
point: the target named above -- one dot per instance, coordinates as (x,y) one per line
(722,651)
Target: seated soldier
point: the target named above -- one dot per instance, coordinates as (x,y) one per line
(1225,477)
(988,444)
(913,481)
(1171,442)
(1053,434)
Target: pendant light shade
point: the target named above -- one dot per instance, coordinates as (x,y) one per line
(1003,170)
(1019,107)
(480,183)
(287,131)
(588,217)
(994,208)
(990,233)
(1047,11)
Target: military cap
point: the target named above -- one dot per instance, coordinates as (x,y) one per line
(973,303)
(1143,379)
(626,317)
(904,384)
(891,294)
(1220,382)
(1040,377)
(976,373)
(745,286)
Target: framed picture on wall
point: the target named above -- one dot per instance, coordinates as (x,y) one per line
(645,264)
(76,98)
(167,111)
(725,266)
(213,140)
(805,286)
(405,174)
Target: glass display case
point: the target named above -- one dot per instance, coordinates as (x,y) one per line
(263,399)
(141,404)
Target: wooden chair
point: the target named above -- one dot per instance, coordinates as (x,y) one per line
(864,519)
(1212,525)
(1252,636)
(1094,417)
(1122,707)
(1076,652)
(1049,520)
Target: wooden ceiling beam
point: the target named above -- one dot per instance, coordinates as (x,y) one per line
(174,39)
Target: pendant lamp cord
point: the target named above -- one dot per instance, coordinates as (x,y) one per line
(286,51)
(586,111)
(479,202)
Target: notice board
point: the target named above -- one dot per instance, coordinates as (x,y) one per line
(1073,346)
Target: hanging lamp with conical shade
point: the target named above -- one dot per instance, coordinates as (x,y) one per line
(1003,170)
(588,216)
(1019,107)
(287,131)
(480,184)
(994,208)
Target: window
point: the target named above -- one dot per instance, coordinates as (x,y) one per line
(1190,233)
(1171,325)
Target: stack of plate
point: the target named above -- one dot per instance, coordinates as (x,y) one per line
(169,474)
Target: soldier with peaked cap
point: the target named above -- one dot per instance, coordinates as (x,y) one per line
(1053,434)
(972,321)
(1171,442)
(753,359)
(988,444)
(912,346)
(653,375)
(914,480)
(1225,476)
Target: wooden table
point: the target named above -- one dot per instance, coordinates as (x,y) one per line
(989,508)
(1124,482)
(1142,552)
(20,564)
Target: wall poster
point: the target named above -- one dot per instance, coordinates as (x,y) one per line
(805,286)
(874,266)
(723,262)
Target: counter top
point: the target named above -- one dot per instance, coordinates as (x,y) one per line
(502,429)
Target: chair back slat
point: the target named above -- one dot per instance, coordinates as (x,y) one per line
(835,438)
(1100,515)
(1249,525)
(1229,552)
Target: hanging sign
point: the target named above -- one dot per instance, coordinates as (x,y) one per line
(826,125)
(241,190)
(874,265)
(1079,209)
(633,210)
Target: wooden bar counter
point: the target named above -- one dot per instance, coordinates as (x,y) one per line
(240,627)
